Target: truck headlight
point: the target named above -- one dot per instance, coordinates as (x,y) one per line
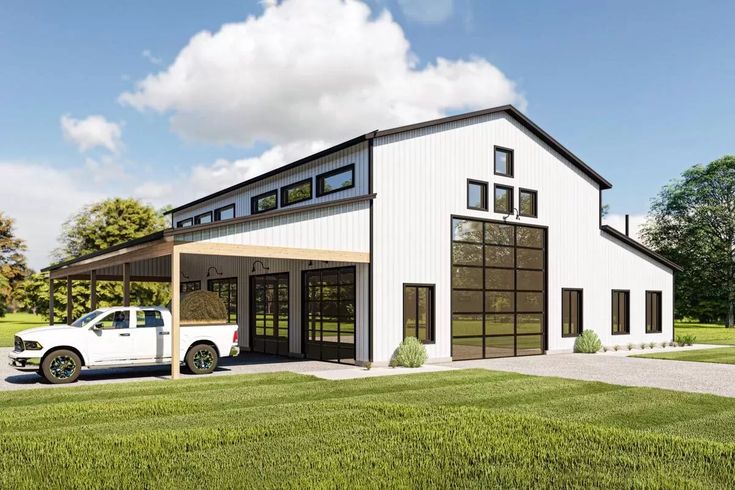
(32,345)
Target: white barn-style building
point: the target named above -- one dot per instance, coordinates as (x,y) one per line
(478,233)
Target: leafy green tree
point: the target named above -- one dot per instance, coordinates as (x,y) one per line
(692,222)
(13,268)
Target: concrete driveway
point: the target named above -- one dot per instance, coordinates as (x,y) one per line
(246,363)
(615,368)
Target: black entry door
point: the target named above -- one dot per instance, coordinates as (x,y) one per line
(329,314)
(269,313)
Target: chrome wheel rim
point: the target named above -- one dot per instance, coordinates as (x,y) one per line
(62,367)
(203,359)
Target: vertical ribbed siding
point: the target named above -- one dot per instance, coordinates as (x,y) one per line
(241,197)
(420,179)
(195,267)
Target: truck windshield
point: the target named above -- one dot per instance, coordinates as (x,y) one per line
(86,318)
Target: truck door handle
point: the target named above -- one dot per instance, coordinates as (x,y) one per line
(163,333)
(124,335)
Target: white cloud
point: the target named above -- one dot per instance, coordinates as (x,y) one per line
(617,221)
(427,11)
(311,70)
(147,54)
(91,132)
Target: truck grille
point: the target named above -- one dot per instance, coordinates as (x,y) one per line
(18,344)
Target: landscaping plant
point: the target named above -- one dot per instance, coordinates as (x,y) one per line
(411,353)
(587,343)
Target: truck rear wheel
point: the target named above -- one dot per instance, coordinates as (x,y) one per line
(61,366)
(202,359)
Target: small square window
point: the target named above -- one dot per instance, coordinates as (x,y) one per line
(503,199)
(264,202)
(503,161)
(477,195)
(527,205)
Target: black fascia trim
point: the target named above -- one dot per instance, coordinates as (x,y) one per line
(336,171)
(640,247)
(284,192)
(254,200)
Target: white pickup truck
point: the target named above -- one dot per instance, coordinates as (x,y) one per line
(119,337)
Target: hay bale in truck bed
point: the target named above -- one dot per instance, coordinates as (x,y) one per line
(203,307)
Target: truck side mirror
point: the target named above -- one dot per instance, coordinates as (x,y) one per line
(97,327)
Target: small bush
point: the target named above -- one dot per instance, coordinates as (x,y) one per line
(643,345)
(672,344)
(685,339)
(368,366)
(587,343)
(411,353)
(617,348)
(664,344)
(605,349)
(630,346)
(652,345)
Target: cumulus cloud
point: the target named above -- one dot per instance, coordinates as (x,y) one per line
(307,70)
(427,11)
(92,132)
(617,221)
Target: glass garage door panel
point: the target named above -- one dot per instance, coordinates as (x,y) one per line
(329,315)
(498,289)
(269,313)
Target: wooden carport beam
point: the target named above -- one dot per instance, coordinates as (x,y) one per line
(50,301)
(126,284)
(262,251)
(69,301)
(92,290)
(175,312)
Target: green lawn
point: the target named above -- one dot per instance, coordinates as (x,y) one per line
(724,355)
(707,333)
(14,322)
(464,429)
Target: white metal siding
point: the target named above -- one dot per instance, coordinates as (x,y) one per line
(241,197)
(420,178)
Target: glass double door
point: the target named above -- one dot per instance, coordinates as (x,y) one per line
(269,313)
(498,289)
(329,314)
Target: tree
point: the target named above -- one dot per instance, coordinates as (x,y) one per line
(13,268)
(692,222)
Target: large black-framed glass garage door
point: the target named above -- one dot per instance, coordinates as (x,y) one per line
(329,314)
(498,289)
(269,313)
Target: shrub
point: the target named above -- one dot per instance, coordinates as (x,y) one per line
(617,348)
(411,353)
(652,345)
(664,344)
(587,343)
(605,349)
(368,365)
(643,345)
(685,339)
(630,346)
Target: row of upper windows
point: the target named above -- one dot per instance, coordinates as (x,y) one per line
(327,183)
(572,319)
(503,199)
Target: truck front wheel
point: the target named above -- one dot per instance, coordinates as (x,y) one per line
(61,366)
(202,359)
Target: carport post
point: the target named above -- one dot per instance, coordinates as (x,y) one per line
(126,284)
(69,301)
(175,312)
(92,290)
(50,301)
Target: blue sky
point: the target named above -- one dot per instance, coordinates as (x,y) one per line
(639,90)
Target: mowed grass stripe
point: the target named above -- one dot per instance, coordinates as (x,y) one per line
(351,445)
(724,355)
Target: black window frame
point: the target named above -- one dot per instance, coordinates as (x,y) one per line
(320,180)
(510,190)
(253,202)
(198,218)
(626,293)
(511,164)
(534,193)
(181,224)
(230,311)
(284,192)
(485,188)
(580,311)
(188,286)
(659,294)
(430,327)
(218,212)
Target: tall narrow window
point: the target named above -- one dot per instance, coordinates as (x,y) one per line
(227,291)
(503,202)
(527,205)
(620,312)
(503,161)
(264,202)
(418,312)
(227,212)
(653,312)
(571,312)
(477,195)
(335,180)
